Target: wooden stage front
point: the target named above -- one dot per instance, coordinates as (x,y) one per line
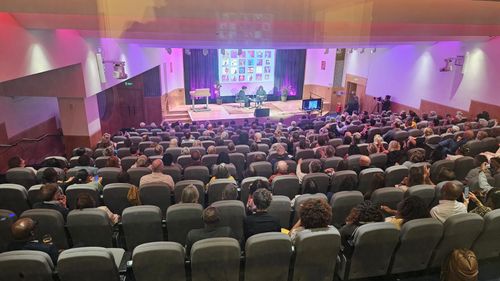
(227,111)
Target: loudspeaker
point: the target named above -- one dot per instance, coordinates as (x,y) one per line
(261,112)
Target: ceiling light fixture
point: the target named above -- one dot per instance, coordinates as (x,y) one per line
(362,51)
(205,52)
(327,51)
(351,51)
(187,52)
(373,50)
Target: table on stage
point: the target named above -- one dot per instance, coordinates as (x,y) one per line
(200,93)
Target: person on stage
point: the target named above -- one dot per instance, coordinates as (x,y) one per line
(260,96)
(242,97)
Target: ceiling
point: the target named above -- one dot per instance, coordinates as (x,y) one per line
(264,23)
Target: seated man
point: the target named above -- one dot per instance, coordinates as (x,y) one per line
(53,198)
(261,221)
(211,220)
(364,163)
(23,232)
(448,205)
(157,176)
(281,154)
(281,170)
(85,162)
(241,96)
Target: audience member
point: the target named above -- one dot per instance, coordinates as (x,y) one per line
(448,205)
(49,175)
(85,201)
(211,230)
(113,162)
(157,176)
(255,185)
(230,192)
(260,221)
(412,207)
(281,170)
(23,233)
(52,198)
(141,162)
(190,194)
(313,167)
(83,177)
(314,213)
(378,181)
(362,214)
(395,154)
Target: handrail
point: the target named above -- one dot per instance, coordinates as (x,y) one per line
(30,140)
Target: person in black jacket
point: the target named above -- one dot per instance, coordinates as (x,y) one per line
(23,232)
(261,221)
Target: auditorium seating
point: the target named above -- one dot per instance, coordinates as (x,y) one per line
(267,255)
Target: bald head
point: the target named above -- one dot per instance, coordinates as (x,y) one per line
(469,134)
(365,161)
(22,229)
(157,166)
(451,191)
(282,167)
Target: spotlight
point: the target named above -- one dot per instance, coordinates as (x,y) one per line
(327,51)
(362,51)
(187,52)
(351,50)
(205,52)
(373,50)
(169,51)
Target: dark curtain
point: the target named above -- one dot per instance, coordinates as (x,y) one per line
(200,71)
(152,84)
(289,72)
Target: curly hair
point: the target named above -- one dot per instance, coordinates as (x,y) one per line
(365,212)
(411,208)
(315,213)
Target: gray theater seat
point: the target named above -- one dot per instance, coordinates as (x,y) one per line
(216,188)
(388,196)
(287,185)
(395,174)
(200,173)
(159,261)
(90,263)
(366,178)
(418,239)
(215,259)
(90,227)
(303,198)
(26,266)
(142,224)
(179,187)
(262,168)
(7,218)
(14,197)
(339,177)
(22,176)
(280,209)
(232,214)
(49,222)
(487,245)
(181,218)
(316,254)
(342,203)
(267,257)
(424,191)
(321,180)
(74,190)
(460,231)
(115,197)
(245,187)
(374,244)
(156,194)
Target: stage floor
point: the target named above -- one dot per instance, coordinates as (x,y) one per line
(278,109)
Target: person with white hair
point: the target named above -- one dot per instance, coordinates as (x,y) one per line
(292,127)
(142,125)
(281,170)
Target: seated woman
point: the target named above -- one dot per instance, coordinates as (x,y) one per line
(417,175)
(190,194)
(84,178)
(220,172)
(314,213)
(85,201)
(412,207)
(362,214)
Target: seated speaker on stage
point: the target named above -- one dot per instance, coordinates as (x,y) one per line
(241,97)
(260,96)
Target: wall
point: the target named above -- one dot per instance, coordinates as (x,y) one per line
(35,111)
(314,74)
(410,73)
(174,70)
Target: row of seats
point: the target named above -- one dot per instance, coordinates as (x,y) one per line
(379,249)
(95,228)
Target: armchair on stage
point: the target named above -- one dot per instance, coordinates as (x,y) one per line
(200,93)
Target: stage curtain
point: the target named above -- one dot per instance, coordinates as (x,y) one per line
(200,71)
(289,72)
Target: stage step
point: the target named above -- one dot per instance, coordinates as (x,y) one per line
(173,116)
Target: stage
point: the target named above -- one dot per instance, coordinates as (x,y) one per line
(227,111)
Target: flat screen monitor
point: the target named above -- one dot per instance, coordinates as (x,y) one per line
(311,104)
